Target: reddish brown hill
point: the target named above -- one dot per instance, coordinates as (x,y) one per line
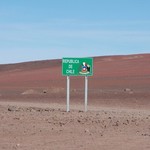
(132,69)
(112,74)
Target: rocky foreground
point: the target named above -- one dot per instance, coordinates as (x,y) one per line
(50,128)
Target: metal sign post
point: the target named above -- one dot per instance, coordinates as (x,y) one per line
(77,67)
(86,93)
(68,93)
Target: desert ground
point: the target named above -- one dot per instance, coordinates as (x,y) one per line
(33,106)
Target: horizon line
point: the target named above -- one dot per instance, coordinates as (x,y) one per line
(52,59)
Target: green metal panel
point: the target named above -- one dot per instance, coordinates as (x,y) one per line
(77,66)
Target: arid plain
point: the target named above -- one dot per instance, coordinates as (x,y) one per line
(33,106)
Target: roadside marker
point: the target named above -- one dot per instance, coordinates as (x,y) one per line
(77,67)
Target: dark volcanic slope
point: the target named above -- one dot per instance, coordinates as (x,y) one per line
(111,75)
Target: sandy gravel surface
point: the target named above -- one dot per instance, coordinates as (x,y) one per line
(30,126)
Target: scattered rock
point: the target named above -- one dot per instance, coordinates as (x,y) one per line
(86,131)
(79,120)
(116,124)
(16,118)
(80,111)
(61,124)
(13,108)
(29,92)
(145,134)
(17,145)
(45,91)
(128,90)
(30,109)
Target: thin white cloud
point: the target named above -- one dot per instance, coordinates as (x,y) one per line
(64,23)
(58,29)
(78,34)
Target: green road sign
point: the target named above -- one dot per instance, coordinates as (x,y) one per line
(77,66)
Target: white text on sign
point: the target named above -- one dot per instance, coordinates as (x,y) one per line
(72,61)
(70,71)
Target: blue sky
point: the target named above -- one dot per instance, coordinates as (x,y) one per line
(50,29)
